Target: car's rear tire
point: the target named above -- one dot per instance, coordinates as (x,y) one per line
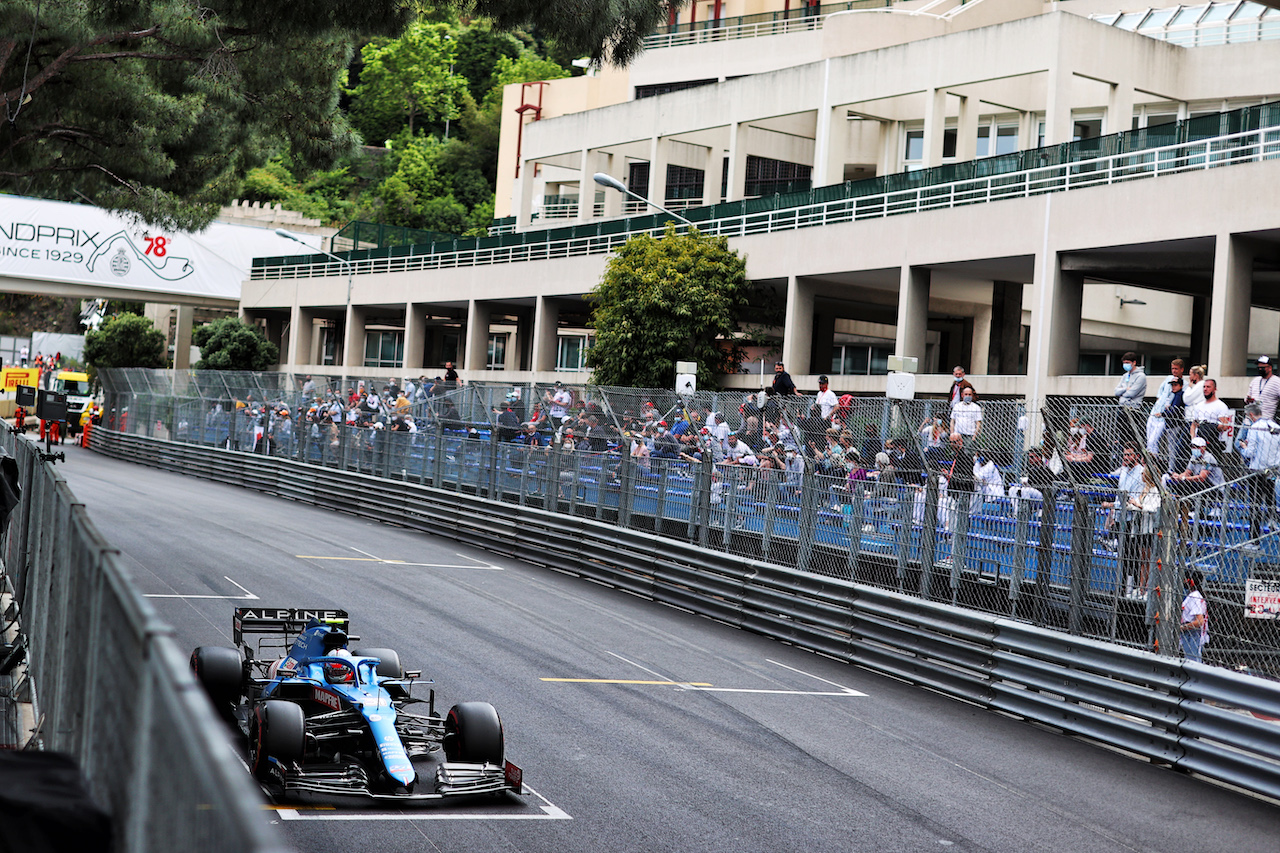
(389,661)
(278,731)
(220,672)
(473,734)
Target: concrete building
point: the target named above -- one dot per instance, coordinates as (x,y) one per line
(1034,278)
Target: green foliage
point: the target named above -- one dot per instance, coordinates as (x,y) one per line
(160,107)
(125,340)
(479,49)
(409,77)
(611,30)
(228,344)
(322,196)
(677,298)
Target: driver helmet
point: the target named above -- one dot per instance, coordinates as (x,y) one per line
(337,673)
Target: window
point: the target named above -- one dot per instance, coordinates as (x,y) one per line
(684,183)
(571,352)
(329,345)
(860,359)
(663,88)
(384,348)
(913,151)
(1006,136)
(497,359)
(765,176)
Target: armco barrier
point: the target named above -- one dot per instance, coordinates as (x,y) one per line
(1191,717)
(110,686)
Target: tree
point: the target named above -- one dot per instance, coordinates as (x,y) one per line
(606,30)
(125,340)
(160,107)
(668,299)
(410,77)
(228,344)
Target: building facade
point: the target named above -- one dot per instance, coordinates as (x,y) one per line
(1009,185)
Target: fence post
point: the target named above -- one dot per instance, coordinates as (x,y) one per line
(491,485)
(856,520)
(1164,596)
(625,488)
(906,529)
(770,513)
(1081,560)
(928,534)
(704,500)
(960,540)
(809,492)
(552,500)
(1021,530)
(437,461)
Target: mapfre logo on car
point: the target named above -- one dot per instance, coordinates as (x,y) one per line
(324,697)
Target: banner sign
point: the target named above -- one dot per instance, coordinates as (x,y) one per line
(1261,599)
(81,244)
(12,377)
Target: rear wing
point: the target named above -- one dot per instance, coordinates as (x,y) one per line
(283,620)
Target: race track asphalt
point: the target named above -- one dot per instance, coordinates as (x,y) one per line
(673,732)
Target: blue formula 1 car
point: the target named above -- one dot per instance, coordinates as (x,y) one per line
(323,718)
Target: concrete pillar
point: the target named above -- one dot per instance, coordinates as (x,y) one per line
(890,148)
(182,337)
(476,355)
(1006,328)
(1055,321)
(913,313)
(658,155)
(1027,131)
(980,339)
(415,336)
(1201,310)
(586,186)
(824,335)
(738,133)
(797,331)
(935,124)
(822,131)
(546,322)
(613,165)
(1229,317)
(1119,116)
(967,131)
(301,326)
(353,344)
(1057,114)
(711,175)
(528,169)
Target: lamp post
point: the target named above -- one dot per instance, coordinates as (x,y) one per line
(346,318)
(613,183)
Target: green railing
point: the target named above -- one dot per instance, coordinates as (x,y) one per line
(1131,141)
(376,235)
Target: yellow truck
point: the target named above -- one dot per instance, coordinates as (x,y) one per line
(76,387)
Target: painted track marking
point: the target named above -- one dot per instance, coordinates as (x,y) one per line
(248,596)
(373,558)
(547,811)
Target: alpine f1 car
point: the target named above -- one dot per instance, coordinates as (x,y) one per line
(323,718)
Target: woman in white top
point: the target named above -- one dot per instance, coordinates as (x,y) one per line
(1192,399)
(1147,505)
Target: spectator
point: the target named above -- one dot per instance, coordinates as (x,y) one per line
(1203,471)
(1165,420)
(871,443)
(558,401)
(450,375)
(1128,484)
(933,435)
(1146,504)
(959,472)
(1264,389)
(1132,387)
(1259,444)
(1194,628)
(827,399)
(1212,417)
(782,383)
(987,480)
(966,417)
(958,385)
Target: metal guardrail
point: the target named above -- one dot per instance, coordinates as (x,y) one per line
(800,19)
(1199,719)
(1106,170)
(112,689)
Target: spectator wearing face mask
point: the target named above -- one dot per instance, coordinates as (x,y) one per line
(966,417)
(1203,471)
(1132,386)
(958,385)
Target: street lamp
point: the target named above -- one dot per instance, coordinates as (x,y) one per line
(346,318)
(613,183)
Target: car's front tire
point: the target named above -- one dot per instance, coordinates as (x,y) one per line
(278,730)
(473,734)
(220,671)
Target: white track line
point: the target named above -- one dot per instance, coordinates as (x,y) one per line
(248,596)
(548,811)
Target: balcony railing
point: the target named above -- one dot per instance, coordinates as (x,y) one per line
(798,20)
(1206,142)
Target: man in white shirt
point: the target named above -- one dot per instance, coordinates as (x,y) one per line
(826,398)
(1212,418)
(966,418)
(1260,446)
(559,402)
